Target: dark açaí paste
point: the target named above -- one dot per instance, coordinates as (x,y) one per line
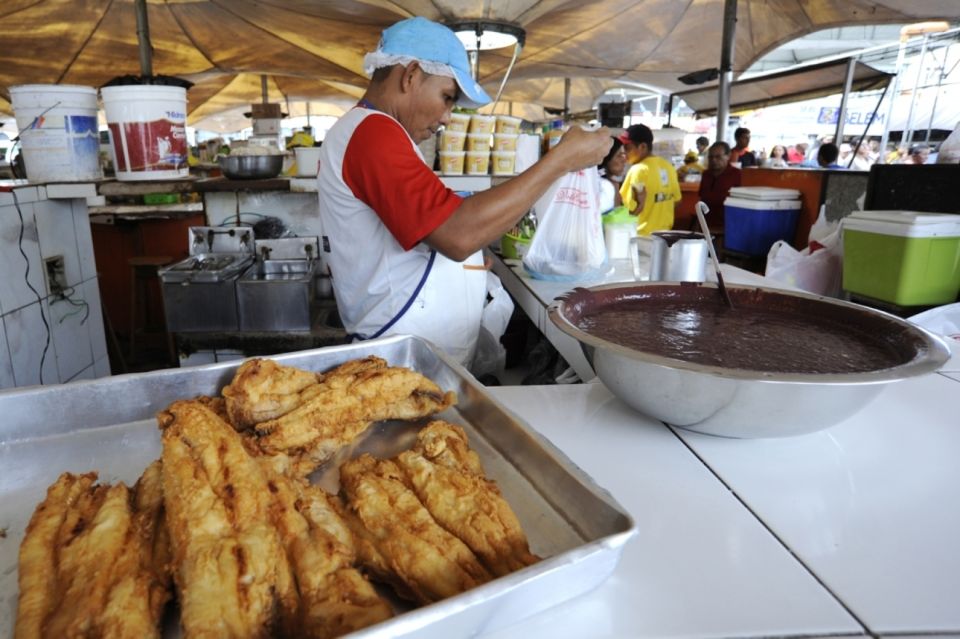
(749,338)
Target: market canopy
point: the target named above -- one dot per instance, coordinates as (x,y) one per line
(805,83)
(651,42)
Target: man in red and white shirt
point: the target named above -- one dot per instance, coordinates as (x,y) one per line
(404,250)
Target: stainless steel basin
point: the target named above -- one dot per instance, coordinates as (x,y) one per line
(736,402)
(277,295)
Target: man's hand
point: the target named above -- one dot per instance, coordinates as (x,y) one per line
(581,149)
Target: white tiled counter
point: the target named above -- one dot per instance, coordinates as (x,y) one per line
(854,530)
(48,338)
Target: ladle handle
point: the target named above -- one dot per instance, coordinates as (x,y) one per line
(702,209)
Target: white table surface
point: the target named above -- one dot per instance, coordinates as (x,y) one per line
(852,530)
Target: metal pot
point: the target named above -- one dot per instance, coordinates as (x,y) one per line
(738,402)
(250,167)
(678,256)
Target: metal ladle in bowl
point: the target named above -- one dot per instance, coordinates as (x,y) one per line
(702,209)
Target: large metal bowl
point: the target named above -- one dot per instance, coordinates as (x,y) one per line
(250,167)
(734,402)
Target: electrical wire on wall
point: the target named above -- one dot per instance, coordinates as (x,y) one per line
(26,277)
(67,295)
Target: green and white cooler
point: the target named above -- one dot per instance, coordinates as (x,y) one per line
(906,258)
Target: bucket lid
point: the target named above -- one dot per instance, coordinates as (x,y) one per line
(764,193)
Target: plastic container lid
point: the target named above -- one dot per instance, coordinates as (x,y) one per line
(763,205)
(764,193)
(904,223)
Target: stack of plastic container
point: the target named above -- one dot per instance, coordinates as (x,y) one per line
(757,216)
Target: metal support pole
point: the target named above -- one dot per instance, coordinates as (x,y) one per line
(893,98)
(726,65)
(866,129)
(474,56)
(143,39)
(669,109)
(908,130)
(941,74)
(842,115)
(566,98)
(264,94)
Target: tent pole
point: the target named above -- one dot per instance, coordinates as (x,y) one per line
(908,130)
(726,65)
(842,115)
(264,94)
(866,129)
(143,39)
(566,98)
(936,96)
(893,98)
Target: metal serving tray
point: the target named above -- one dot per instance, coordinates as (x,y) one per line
(108,425)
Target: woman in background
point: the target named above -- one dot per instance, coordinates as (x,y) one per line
(611,174)
(777,159)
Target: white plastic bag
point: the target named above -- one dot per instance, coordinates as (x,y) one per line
(944,320)
(816,269)
(490,354)
(568,244)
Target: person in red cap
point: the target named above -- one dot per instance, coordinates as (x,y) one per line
(404,251)
(650,190)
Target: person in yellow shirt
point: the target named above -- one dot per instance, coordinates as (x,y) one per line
(650,190)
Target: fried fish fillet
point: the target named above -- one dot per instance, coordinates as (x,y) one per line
(334,597)
(398,540)
(256,552)
(335,414)
(448,479)
(76,532)
(261,389)
(230,567)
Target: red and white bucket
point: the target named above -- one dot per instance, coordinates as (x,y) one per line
(148,134)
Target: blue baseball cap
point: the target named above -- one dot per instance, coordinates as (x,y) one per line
(430,41)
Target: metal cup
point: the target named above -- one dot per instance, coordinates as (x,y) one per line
(678,256)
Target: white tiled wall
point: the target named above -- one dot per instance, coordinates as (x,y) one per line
(18,272)
(31,321)
(299,211)
(6,367)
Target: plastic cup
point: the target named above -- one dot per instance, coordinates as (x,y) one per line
(482,123)
(451,162)
(505,141)
(503,162)
(478,162)
(458,122)
(452,140)
(507,124)
(478,142)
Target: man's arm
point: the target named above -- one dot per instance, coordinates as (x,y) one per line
(486,216)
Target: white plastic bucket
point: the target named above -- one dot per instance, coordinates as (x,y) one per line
(58,131)
(148,135)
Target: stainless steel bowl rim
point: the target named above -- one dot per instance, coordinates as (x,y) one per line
(935,356)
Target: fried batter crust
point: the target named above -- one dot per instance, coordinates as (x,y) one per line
(371,395)
(399,541)
(261,389)
(447,478)
(230,569)
(79,529)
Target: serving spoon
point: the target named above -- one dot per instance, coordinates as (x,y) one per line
(702,209)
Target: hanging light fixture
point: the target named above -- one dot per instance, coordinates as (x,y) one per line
(486,35)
